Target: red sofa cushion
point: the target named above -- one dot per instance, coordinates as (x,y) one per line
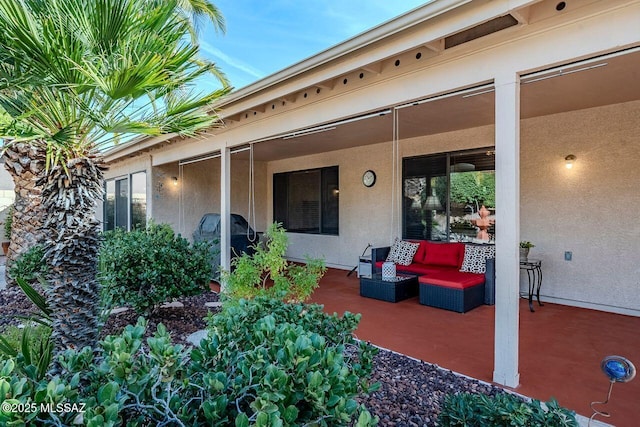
(444,254)
(420,253)
(452,279)
(419,269)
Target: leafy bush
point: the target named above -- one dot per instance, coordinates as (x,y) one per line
(267,272)
(270,372)
(29,265)
(285,364)
(478,410)
(31,346)
(144,268)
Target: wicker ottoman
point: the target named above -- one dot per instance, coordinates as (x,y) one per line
(461,295)
(405,286)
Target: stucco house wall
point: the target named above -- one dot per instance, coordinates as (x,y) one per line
(589,210)
(198,192)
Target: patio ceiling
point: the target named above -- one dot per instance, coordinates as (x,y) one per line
(610,81)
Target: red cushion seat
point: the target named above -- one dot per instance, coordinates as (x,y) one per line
(444,254)
(452,279)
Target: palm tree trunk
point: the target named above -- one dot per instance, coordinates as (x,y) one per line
(71,249)
(25,164)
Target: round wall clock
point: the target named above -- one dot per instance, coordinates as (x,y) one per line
(369,178)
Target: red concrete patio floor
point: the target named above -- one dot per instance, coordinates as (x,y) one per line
(561,347)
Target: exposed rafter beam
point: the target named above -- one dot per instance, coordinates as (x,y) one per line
(375,68)
(289,99)
(258,109)
(522,15)
(329,84)
(436,45)
(232,118)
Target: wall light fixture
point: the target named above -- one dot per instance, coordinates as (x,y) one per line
(569,161)
(174,179)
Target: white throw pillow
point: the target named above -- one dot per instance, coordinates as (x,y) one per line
(475,258)
(402,252)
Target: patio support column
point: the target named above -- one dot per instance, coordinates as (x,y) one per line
(507,316)
(225,210)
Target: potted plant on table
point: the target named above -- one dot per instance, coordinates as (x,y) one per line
(525,245)
(8,223)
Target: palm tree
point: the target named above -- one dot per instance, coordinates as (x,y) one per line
(77,76)
(25,163)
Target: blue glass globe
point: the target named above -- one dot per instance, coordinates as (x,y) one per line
(618,368)
(615,370)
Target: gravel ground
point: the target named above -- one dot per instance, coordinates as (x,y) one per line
(411,392)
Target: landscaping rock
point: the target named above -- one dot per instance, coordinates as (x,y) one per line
(172,304)
(411,391)
(196,337)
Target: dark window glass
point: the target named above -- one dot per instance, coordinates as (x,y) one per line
(139,200)
(109,205)
(330,200)
(424,196)
(125,202)
(307,201)
(122,203)
(443,194)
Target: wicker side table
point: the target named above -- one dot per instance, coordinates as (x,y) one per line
(403,287)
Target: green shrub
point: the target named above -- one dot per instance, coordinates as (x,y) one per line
(267,272)
(31,346)
(285,364)
(144,268)
(12,336)
(29,265)
(269,373)
(478,410)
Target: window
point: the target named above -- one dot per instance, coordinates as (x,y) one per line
(443,193)
(125,203)
(307,201)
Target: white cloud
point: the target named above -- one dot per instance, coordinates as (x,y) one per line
(232,62)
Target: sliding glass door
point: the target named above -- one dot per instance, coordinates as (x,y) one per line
(444,194)
(125,203)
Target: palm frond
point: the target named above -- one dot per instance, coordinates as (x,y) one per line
(74,74)
(35,297)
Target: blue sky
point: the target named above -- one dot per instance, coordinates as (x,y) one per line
(266,36)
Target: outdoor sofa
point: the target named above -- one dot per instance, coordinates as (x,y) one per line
(438,266)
